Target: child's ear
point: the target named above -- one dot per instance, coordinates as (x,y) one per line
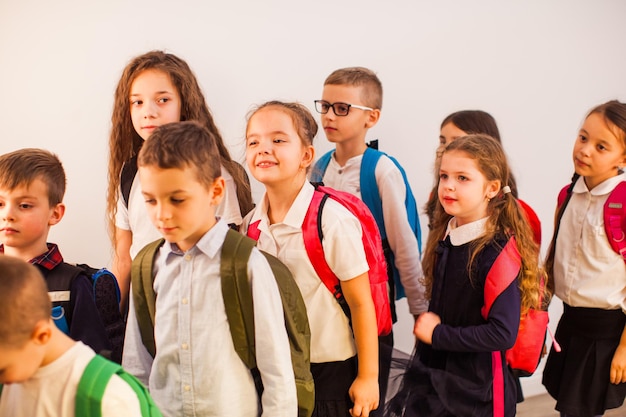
(56,214)
(308,156)
(42,332)
(218,189)
(372,118)
(493,188)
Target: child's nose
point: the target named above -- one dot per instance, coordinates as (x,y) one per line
(150,110)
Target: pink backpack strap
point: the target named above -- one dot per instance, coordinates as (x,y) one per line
(533,220)
(503,272)
(615,220)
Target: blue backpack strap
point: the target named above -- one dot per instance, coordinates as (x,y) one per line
(369,188)
(94,381)
(319,169)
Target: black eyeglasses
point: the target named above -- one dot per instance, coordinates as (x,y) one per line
(340,109)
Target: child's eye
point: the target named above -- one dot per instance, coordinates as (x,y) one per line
(462,178)
(602,147)
(443,176)
(252,142)
(136,102)
(176,200)
(582,138)
(150,201)
(279,140)
(164,100)
(342,108)
(25,206)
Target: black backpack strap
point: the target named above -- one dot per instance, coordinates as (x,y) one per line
(59,279)
(129,170)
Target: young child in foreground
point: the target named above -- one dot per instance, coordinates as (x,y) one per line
(40,367)
(196,369)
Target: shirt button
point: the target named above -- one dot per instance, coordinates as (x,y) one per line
(185,301)
(187,388)
(340,171)
(188,257)
(184,346)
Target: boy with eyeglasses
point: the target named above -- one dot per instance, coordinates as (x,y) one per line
(351,104)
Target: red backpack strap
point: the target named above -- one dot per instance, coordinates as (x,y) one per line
(503,272)
(614,219)
(311,234)
(253,231)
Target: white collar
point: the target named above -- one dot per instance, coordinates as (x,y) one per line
(460,235)
(603,188)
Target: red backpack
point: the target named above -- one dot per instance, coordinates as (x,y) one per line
(614,218)
(372,244)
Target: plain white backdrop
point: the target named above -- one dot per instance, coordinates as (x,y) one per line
(537,66)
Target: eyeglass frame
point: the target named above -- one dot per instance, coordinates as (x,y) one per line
(332,105)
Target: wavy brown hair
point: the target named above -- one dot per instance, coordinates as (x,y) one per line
(505,218)
(124,142)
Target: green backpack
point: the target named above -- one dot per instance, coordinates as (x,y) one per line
(239,308)
(93,383)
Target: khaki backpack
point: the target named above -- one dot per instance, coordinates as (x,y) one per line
(239,309)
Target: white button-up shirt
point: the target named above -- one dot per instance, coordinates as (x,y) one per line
(196,371)
(587,271)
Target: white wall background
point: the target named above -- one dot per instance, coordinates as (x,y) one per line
(537,66)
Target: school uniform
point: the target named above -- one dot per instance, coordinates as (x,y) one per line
(51,391)
(590,279)
(333,351)
(196,370)
(454,375)
(135,217)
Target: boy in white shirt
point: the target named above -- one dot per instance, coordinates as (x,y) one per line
(40,367)
(196,370)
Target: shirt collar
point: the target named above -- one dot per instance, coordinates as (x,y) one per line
(295,215)
(603,188)
(209,244)
(460,235)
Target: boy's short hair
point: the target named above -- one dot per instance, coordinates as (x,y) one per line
(22,167)
(183,145)
(24,301)
(372,92)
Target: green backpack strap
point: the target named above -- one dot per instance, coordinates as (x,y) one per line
(144,299)
(238,301)
(299,333)
(237,294)
(94,381)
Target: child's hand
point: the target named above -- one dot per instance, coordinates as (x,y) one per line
(618,366)
(364,395)
(425,325)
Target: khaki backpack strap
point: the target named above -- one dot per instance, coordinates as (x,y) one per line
(237,294)
(142,280)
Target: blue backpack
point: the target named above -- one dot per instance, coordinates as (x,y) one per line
(371,196)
